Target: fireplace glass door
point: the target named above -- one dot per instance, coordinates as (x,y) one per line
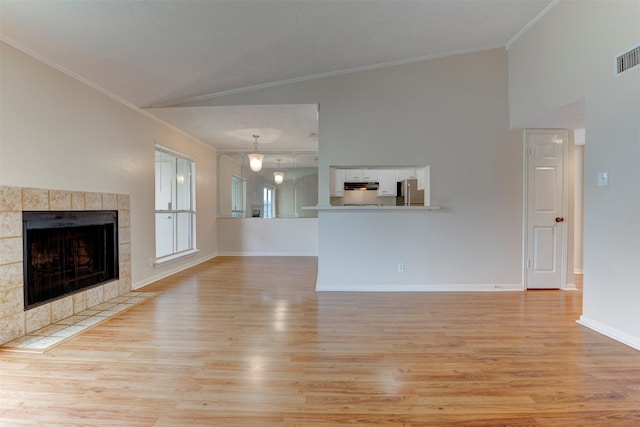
(62,258)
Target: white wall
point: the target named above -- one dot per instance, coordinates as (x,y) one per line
(567,56)
(268,237)
(578,208)
(58,133)
(450,113)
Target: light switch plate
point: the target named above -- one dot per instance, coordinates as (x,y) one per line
(603,179)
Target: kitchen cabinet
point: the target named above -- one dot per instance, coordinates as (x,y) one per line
(387,180)
(352,175)
(361,175)
(370,175)
(336,184)
(402,174)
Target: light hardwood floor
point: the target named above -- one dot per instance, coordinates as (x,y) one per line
(248,342)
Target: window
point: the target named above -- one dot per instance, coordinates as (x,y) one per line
(238,196)
(268,201)
(175,203)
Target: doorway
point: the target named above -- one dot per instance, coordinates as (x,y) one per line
(568,117)
(545,208)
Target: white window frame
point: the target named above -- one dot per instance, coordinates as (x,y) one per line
(268,206)
(238,196)
(172,212)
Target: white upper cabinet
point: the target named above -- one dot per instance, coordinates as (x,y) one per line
(336,185)
(370,175)
(361,175)
(353,175)
(388,182)
(403,174)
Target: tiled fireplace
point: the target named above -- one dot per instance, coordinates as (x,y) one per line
(15,320)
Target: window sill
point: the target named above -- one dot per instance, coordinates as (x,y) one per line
(174,257)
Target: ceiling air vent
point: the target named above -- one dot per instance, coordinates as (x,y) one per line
(628,60)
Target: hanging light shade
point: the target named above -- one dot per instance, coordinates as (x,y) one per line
(255,159)
(278,177)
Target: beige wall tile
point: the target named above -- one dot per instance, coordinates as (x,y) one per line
(93,201)
(12,301)
(10,199)
(124,252)
(12,327)
(35,199)
(77,201)
(124,202)
(61,309)
(10,250)
(125,269)
(124,235)
(124,219)
(95,296)
(38,317)
(79,302)
(59,200)
(124,285)
(111,290)
(10,224)
(11,276)
(109,201)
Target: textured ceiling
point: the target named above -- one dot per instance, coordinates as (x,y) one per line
(231,127)
(159,53)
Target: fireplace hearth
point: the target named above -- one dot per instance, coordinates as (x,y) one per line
(66,252)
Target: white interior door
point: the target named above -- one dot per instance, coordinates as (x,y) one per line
(546,204)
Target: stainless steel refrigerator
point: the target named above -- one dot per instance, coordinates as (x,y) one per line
(408,193)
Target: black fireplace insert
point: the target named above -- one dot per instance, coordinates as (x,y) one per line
(67,251)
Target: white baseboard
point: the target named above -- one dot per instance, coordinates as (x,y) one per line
(351,287)
(169,272)
(610,332)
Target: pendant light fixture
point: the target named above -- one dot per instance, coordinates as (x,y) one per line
(255,159)
(278,176)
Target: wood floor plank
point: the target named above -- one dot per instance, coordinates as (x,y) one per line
(248,342)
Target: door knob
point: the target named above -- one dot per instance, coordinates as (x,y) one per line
(559,219)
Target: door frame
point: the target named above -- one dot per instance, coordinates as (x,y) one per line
(526,151)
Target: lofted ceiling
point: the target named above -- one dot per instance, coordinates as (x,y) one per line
(156,54)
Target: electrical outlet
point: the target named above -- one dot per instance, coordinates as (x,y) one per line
(150,262)
(401,267)
(603,179)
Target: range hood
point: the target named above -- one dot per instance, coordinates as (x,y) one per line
(361,186)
